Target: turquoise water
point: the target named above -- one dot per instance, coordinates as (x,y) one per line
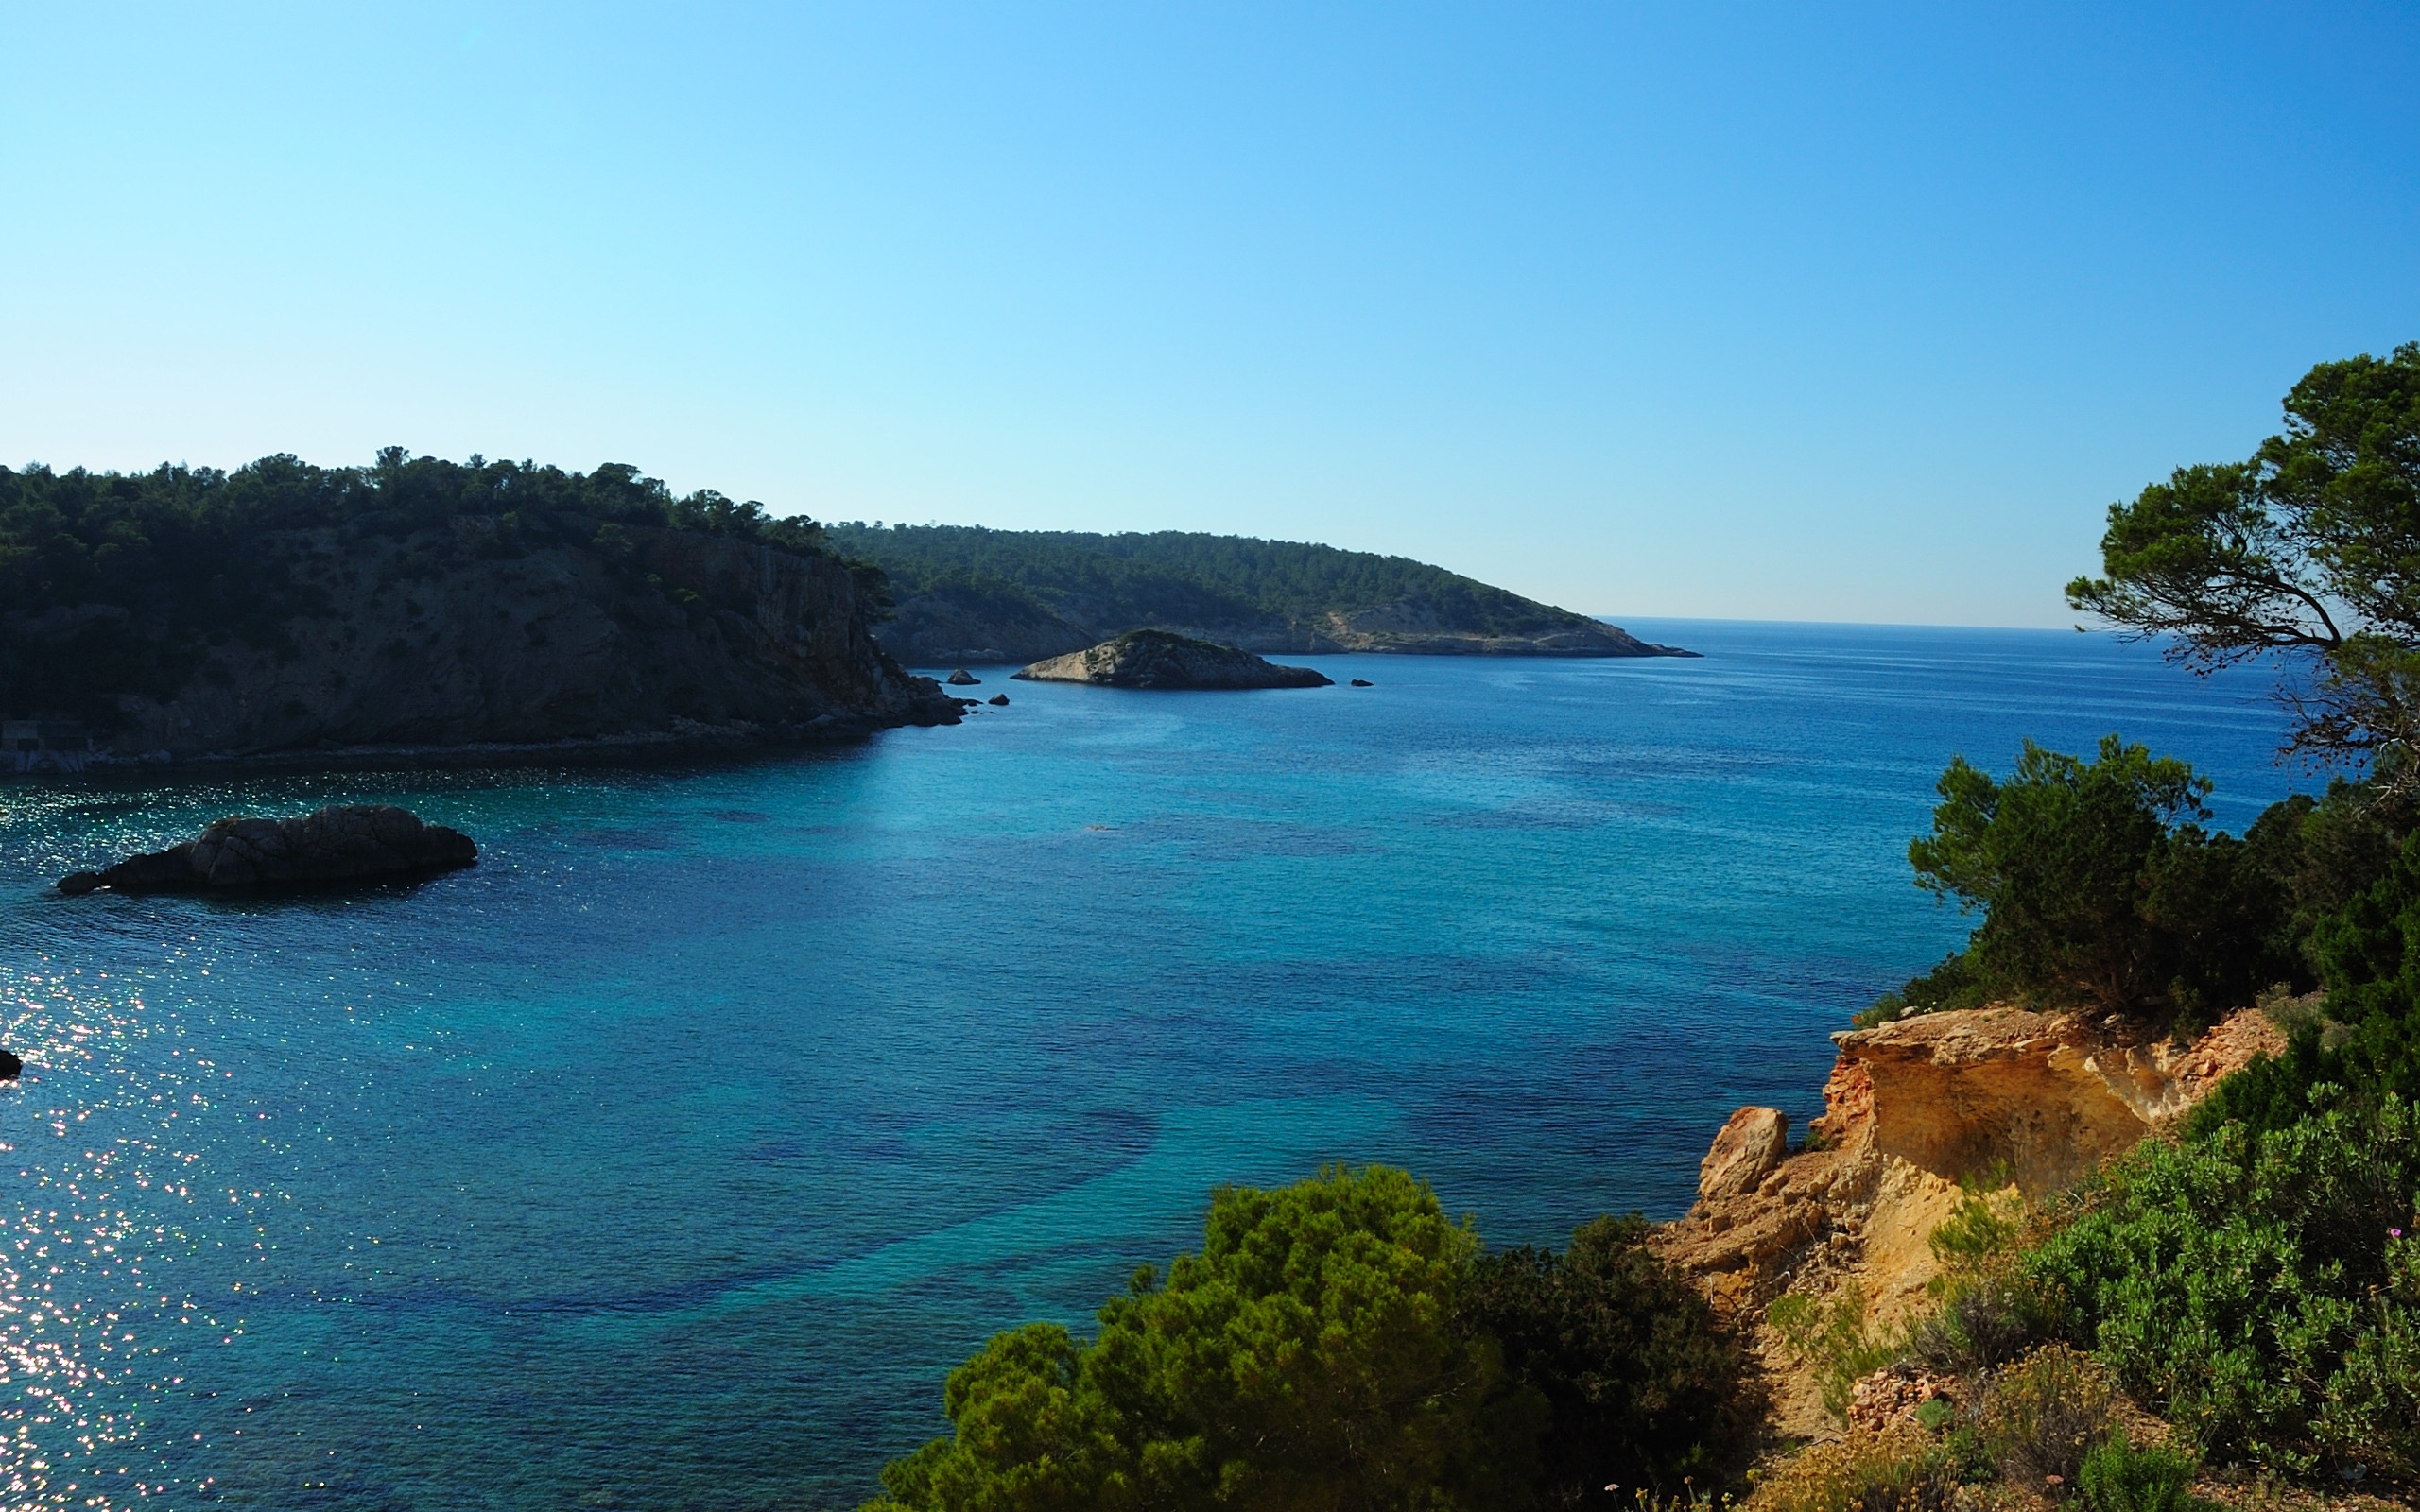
(670,1156)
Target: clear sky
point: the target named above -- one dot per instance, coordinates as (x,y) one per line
(1815,312)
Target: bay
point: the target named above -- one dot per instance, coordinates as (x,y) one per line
(673,1154)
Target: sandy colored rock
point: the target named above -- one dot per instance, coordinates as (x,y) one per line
(1993,1095)
(1750,1144)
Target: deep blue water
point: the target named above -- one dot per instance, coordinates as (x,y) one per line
(670,1156)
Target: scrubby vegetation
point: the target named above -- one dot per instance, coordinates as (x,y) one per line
(115,581)
(1175,577)
(1343,1343)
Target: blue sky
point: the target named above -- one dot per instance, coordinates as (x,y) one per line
(1829,313)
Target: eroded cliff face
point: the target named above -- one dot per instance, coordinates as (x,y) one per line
(2000,1095)
(430,642)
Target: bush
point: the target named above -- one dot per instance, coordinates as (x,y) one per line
(2256,1287)
(1834,1342)
(1954,984)
(2117,1476)
(1988,1310)
(1310,1356)
(2041,1415)
(1644,1387)
(1904,1470)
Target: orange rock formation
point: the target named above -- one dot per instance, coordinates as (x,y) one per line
(2003,1094)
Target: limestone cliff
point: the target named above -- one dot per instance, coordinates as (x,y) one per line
(1912,1109)
(458,640)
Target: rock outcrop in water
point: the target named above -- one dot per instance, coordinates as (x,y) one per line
(334,847)
(1161,659)
(1912,1109)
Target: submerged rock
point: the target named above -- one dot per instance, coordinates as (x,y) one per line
(9,1065)
(1162,659)
(1362,682)
(337,845)
(962,679)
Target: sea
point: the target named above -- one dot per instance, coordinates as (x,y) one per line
(671,1155)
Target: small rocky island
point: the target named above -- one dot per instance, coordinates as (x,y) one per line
(1163,659)
(336,847)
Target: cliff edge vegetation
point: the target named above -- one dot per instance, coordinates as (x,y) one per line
(966,593)
(284,609)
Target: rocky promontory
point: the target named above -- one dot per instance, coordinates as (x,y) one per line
(966,595)
(423,610)
(2001,1095)
(1162,659)
(336,846)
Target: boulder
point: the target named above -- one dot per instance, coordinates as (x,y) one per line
(1743,1154)
(962,679)
(9,1065)
(999,700)
(1362,682)
(1162,659)
(357,843)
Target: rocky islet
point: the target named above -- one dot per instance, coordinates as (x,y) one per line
(337,845)
(1164,659)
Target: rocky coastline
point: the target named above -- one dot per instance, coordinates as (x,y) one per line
(2002,1095)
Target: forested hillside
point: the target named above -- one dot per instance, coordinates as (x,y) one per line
(964,593)
(283,605)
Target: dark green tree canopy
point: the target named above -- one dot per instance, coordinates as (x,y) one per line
(1341,1345)
(1643,1390)
(1309,1357)
(2099,888)
(2309,552)
(110,581)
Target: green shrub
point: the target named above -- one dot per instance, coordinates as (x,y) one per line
(2118,1476)
(1904,1470)
(1986,1310)
(1834,1341)
(2255,1286)
(1311,1356)
(1644,1387)
(1954,984)
(2041,1415)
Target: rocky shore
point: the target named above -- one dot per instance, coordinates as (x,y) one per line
(1912,1109)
